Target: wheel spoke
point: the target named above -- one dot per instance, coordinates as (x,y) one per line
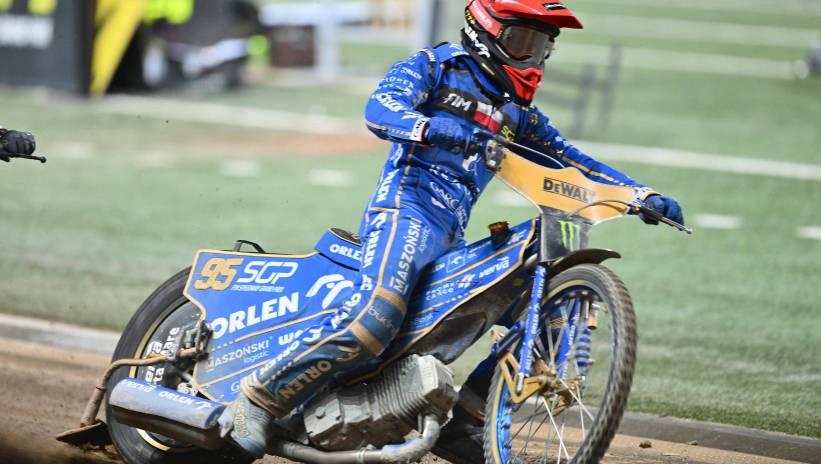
(578,400)
(551,436)
(559,456)
(549,442)
(530,432)
(564,421)
(530,435)
(582,408)
(560,433)
(581,421)
(527,421)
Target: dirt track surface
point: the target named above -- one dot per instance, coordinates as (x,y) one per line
(44,390)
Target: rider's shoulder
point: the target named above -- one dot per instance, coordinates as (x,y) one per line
(444,52)
(436,58)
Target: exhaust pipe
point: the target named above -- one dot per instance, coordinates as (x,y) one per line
(189,419)
(193,420)
(410,451)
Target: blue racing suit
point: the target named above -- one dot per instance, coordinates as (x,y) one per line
(419,212)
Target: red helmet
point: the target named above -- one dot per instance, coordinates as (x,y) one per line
(511,39)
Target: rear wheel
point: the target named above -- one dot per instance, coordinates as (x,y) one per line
(587,356)
(158,327)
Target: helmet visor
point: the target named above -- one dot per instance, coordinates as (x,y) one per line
(526,44)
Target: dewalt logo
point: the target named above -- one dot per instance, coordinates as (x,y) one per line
(568,190)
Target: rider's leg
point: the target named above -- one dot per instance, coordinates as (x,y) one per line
(398,244)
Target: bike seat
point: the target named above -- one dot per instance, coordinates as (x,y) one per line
(341,247)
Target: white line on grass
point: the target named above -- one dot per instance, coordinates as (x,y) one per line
(73,150)
(702,63)
(213,113)
(699,31)
(702,161)
(781,7)
(716,221)
(154,159)
(331,178)
(240,168)
(194,111)
(810,232)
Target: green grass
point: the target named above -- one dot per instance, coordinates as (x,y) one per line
(758,118)
(593,37)
(727,319)
(661,11)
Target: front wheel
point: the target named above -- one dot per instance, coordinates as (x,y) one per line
(585,358)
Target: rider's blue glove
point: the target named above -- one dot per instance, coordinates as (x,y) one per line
(667,206)
(446,133)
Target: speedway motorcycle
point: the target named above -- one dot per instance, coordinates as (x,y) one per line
(564,367)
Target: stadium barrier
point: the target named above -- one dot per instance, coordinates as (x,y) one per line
(85,46)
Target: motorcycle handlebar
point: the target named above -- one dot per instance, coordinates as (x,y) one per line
(493,160)
(655,215)
(8,156)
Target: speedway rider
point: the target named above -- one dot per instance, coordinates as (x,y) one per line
(15,142)
(428,105)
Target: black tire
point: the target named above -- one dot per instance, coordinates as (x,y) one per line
(586,444)
(165,306)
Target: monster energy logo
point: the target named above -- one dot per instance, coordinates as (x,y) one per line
(571,235)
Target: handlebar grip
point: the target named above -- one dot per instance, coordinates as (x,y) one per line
(659,217)
(476,142)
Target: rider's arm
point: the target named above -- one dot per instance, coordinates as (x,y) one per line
(541,135)
(391,111)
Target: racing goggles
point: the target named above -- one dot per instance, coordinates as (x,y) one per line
(524,43)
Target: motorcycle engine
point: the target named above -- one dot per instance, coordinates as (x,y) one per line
(385,410)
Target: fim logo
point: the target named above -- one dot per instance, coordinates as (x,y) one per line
(457,101)
(568,190)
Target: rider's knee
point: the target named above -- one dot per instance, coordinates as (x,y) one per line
(380,322)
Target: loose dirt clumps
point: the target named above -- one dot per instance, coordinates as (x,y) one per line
(45,389)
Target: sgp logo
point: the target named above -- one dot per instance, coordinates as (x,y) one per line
(267,272)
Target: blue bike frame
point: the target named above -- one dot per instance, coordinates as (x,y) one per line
(550,249)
